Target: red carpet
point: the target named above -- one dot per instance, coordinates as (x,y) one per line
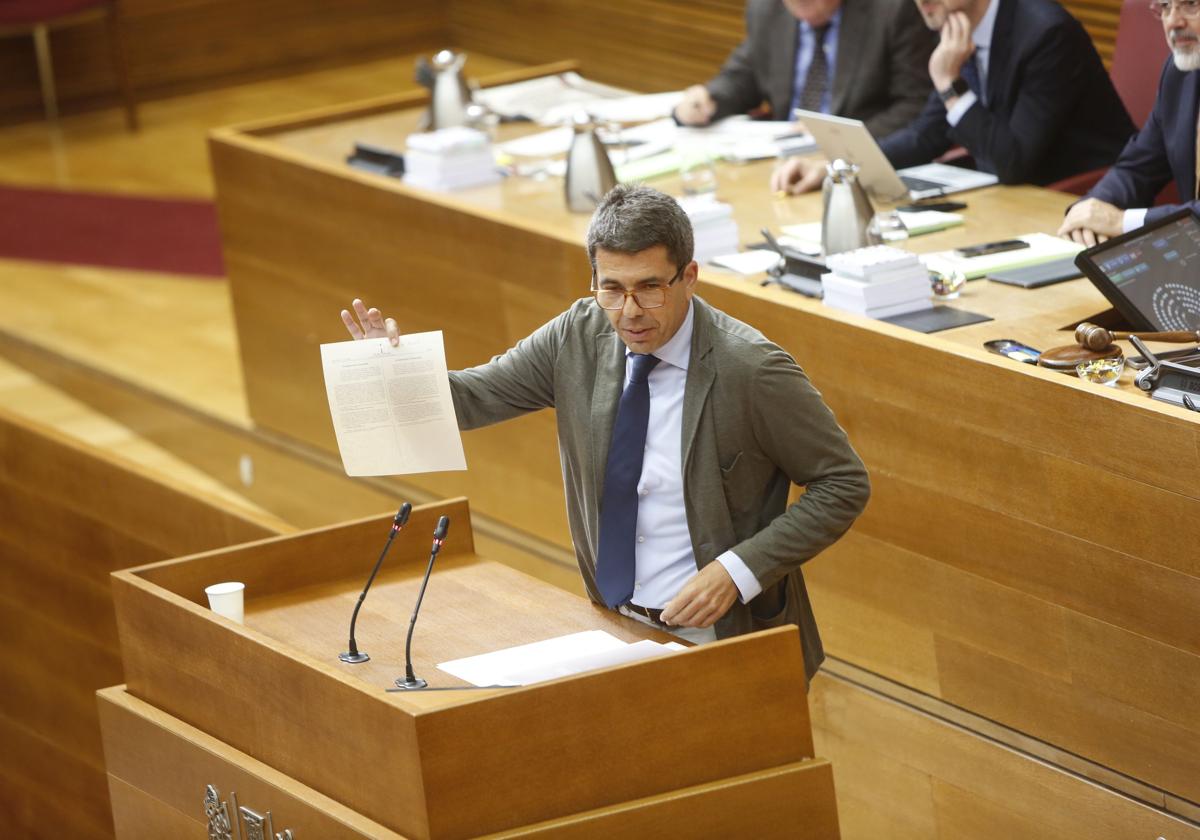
(177,236)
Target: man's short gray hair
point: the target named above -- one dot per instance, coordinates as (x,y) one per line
(633,217)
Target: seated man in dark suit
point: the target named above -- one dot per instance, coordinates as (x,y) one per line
(1164,150)
(871,64)
(1018,83)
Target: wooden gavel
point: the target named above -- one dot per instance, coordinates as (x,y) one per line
(1095,337)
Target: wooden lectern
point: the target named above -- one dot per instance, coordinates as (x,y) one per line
(711,742)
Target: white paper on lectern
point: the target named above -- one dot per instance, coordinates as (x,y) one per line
(636,652)
(551,658)
(391,406)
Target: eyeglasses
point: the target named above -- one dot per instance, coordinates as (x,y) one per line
(1187,8)
(646,297)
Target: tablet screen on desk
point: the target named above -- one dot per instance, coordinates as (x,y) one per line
(1151,275)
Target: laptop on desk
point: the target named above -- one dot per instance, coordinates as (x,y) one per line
(838,137)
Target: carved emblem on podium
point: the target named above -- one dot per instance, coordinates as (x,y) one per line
(247,825)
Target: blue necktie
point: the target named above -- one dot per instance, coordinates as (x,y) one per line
(970,75)
(619,502)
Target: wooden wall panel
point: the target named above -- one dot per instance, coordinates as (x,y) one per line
(178,45)
(1140,744)
(71,516)
(645,45)
(903,774)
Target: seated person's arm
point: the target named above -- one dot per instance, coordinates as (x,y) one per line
(1123,198)
(1091,221)
(736,88)
(1049,84)
(798,175)
(697,106)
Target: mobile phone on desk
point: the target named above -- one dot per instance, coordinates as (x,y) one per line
(940,206)
(1014,350)
(991,248)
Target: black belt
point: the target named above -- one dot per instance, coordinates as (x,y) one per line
(651,613)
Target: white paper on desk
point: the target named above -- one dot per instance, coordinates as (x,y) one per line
(552,658)
(636,652)
(805,237)
(627,144)
(492,668)
(626,109)
(747,262)
(917,223)
(1042,248)
(534,97)
(740,138)
(391,406)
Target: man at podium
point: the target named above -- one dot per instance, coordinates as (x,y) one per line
(680,432)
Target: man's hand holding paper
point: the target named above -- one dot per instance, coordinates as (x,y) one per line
(389,397)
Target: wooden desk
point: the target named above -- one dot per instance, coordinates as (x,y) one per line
(614,750)
(1022,555)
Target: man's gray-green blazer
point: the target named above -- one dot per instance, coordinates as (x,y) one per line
(752,424)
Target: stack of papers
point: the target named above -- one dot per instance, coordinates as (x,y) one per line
(535,97)
(1042,248)
(713,226)
(879,282)
(449,159)
(554,658)
(927,221)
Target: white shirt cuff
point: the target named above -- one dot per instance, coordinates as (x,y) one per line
(747,584)
(961,107)
(1133,219)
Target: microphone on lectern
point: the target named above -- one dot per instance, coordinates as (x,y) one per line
(353,656)
(410,680)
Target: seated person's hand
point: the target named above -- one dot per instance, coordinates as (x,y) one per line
(1092,221)
(798,175)
(697,107)
(370,323)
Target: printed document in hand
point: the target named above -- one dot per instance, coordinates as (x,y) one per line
(553,658)
(391,406)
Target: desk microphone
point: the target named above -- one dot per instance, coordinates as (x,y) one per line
(353,656)
(411,681)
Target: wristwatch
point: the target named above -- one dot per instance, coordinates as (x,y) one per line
(957,88)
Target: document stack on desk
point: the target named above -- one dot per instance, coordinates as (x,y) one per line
(879,282)
(713,226)
(449,159)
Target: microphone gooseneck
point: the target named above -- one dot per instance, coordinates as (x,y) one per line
(353,655)
(410,680)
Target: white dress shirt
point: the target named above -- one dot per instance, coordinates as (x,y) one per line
(982,38)
(664,560)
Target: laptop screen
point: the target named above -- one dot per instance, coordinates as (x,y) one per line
(1151,275)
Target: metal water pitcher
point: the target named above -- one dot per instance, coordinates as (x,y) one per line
(450,96)
(590,173)
(846,219)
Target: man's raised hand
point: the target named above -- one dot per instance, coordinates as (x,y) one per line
(369,323)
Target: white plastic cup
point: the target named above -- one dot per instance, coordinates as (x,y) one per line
(226,599)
